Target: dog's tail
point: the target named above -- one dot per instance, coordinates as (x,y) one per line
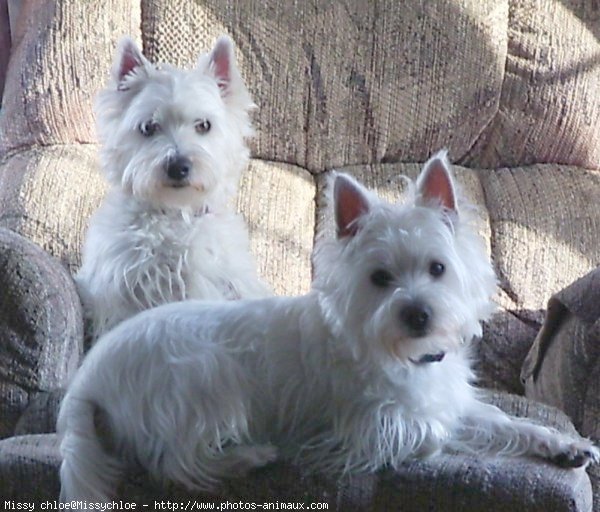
(88,472)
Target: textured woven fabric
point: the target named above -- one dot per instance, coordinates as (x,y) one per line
(29,470)
(278,202)
(499,355)
(350,84)
(61,56)
(563,366)
(341,83)
(549,109)
(40,326)
(483,485)
(47,195)
(545,228)
(41,413)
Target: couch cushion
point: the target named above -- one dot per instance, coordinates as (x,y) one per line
(563,366)
(545,234)
(29,469)
(545,231)
(41,413)
(61,55)
(41,328)
(498,357)
(278,203)
(47,195)
(354,82)
(549,109)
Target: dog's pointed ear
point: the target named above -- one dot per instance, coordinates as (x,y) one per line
(129,58)
(435,184)
(221,61)
(350,203)
(222,66)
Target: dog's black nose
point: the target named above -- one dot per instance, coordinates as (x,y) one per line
(178,168)
(416,317)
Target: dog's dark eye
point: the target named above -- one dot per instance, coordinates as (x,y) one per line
(381,278)
(202,126)
(436,269)
(149,128)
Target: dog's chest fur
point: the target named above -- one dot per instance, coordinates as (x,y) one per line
(136,258)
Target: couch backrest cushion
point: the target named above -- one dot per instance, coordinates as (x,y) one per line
(342,83)
(338,83)
(60,57)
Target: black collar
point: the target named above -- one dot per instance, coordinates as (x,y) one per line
(429,358)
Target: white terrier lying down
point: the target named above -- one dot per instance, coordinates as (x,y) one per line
(173,151)
(369,369)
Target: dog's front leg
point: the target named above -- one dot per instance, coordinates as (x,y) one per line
(487,429)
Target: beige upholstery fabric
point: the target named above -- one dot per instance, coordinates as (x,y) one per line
(48,194)
(356,83)
(549,109)
(61,55)
(545,226)
(278,203)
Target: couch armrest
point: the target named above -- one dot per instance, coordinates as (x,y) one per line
(563,367)
(41,326)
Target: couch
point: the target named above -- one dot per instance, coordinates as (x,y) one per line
(510,87)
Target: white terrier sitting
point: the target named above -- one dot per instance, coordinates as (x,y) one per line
(173,151)
(370,368)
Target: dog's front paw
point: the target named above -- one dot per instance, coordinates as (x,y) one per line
(577,454)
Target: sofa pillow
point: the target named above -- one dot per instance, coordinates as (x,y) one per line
(562,367)
(41,329)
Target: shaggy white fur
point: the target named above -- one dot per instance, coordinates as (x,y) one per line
(370,368)
(173,149)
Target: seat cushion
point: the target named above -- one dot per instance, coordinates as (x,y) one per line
(29,470)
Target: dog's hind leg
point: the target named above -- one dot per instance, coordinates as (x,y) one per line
(487,429)
(88,471)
